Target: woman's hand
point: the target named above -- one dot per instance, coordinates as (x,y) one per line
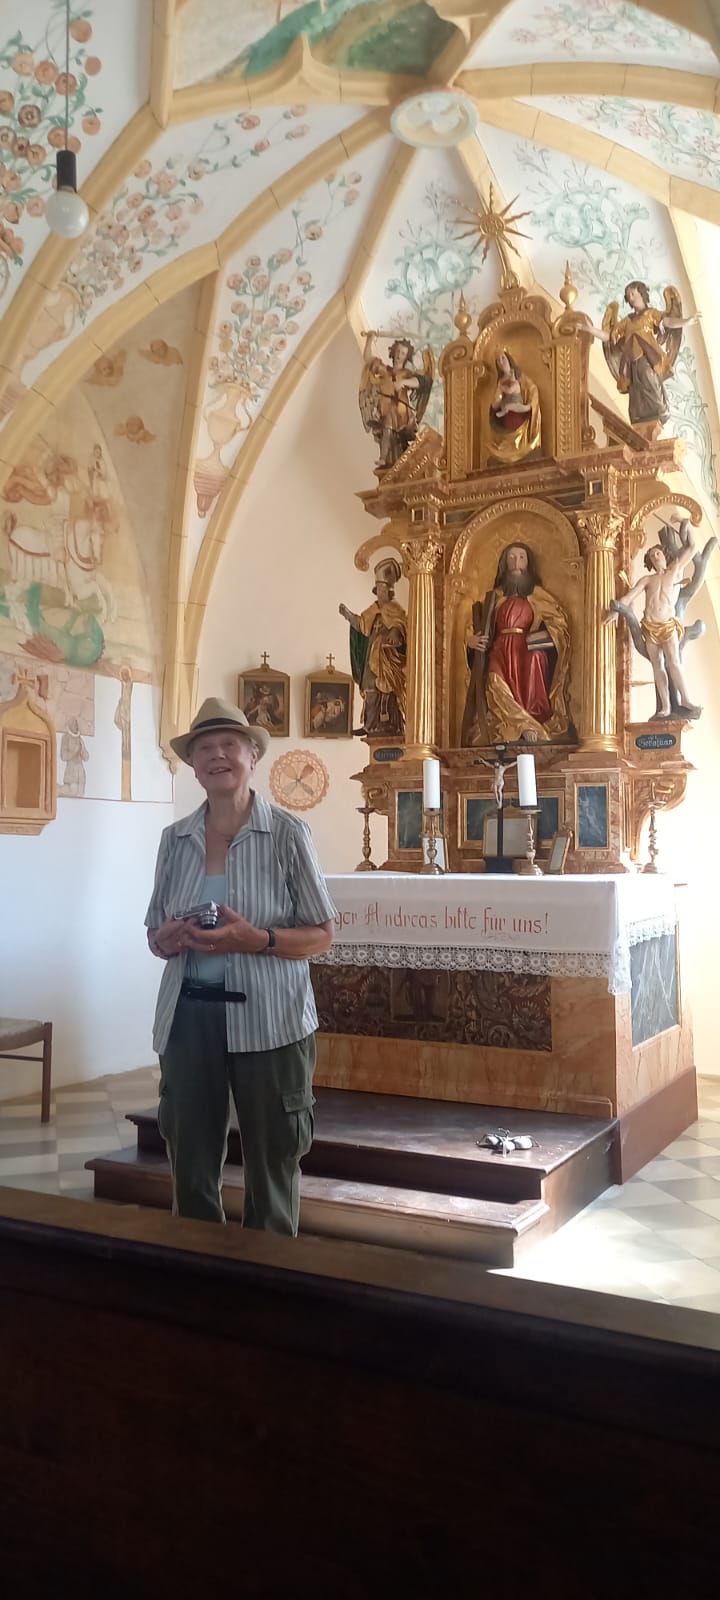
(169,939)
(478,641)
(236,936)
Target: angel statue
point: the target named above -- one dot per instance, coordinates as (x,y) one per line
(641,349)
(393,397)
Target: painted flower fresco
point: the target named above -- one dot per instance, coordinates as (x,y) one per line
(682,140)
(608,241)
(611,29)
(433,268)
(150,218)
(35,92)
(269,296)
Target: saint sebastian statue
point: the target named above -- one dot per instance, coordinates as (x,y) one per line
(378,645)
(519,657)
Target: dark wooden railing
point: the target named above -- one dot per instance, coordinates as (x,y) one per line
(189,1410)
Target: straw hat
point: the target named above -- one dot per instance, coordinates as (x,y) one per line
(219,714)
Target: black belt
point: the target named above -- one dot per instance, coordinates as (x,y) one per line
(211,991)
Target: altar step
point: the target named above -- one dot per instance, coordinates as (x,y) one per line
(390,1170)
(407,1219)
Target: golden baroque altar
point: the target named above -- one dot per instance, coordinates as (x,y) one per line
(566,478)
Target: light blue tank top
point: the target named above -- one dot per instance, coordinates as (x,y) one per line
(209,968)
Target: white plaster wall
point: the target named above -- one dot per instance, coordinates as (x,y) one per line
(285,568)
(72,904)
(72,942)
(687,837)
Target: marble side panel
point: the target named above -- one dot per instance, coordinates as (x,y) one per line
(535,1081)
(584,1036)
(644,1069)
(655,999)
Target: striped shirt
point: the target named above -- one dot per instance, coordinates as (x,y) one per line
(273,879)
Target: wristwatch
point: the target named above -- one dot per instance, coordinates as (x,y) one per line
(271,938)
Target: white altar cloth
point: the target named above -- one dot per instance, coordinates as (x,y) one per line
(565,926)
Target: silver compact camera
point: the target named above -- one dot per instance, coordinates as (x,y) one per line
(206,915)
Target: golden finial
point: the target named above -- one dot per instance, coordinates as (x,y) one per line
(462,318)
(494,227)
(568,293)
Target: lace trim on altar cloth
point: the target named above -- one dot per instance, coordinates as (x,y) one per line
(615,965)
(651,927)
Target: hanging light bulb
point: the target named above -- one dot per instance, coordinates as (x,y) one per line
(65,211)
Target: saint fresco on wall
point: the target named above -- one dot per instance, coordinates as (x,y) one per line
(71,588)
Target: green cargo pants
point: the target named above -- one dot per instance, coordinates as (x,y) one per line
(272,1091)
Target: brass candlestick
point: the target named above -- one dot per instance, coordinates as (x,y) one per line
(432,836)
(653,851)
(659,796)
(529,868)
(366,865)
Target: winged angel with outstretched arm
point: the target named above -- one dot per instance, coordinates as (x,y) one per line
(641,349)
(393,396)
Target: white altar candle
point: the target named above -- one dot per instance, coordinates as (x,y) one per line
(527,787)
(431,784)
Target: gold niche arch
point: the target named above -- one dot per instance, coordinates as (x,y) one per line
(471,573)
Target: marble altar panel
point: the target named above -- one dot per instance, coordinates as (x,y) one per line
(409,819)
(592,816)
(655,1000)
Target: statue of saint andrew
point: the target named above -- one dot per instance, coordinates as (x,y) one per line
(378,645)
(519,657)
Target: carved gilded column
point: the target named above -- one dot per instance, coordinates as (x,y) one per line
(599,533)
(421,557)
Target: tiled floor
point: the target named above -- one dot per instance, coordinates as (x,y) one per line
(658,1238)
(85,1120)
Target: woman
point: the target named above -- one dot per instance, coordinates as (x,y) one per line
(236,1013)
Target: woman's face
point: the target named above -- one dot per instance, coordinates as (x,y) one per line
(223,761)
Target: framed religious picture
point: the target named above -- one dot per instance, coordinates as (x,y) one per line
(328,704)
(264,696)
(559,847)
(515,834)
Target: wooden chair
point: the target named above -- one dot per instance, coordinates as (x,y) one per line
(14,1034)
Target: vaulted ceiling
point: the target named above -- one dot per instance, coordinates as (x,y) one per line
(242,174)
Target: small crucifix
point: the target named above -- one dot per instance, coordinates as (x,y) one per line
(265,659)
(331,662)
(24,679)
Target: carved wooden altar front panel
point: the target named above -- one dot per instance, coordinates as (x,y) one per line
(503,1010)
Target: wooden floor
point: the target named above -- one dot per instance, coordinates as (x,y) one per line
(408,1173)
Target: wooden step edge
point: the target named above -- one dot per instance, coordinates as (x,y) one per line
(485,1242)
(455,1210)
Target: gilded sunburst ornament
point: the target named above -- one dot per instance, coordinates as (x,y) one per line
(494,228)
